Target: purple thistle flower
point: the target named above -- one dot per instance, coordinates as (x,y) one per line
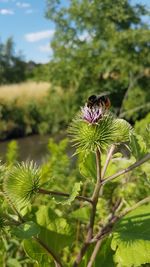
(92,115)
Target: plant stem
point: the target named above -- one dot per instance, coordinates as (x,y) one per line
(50,252)
(93,211)
(108,228)
(109,156)
(13,207)
(141,202)
(130,168)
(61,194)
(94,254)
(98,244)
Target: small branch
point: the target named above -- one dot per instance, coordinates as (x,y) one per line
(50,252)
(94,254)
(109,156)
(108,227)
(13,207)
(130,168)
(93,211)
(138,204)
(61,194)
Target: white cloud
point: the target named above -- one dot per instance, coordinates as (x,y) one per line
(23,5)
(6,12)
(45,48)
(37,36)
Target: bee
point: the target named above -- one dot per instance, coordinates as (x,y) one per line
(98,101)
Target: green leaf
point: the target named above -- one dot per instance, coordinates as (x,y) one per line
(46,216)
(105,255)
(49,219)
(13,263)
(131,238)
(82,214)
(36,252)
(26,230)
(75,192)
(54,240)
(137,145)
(87,166)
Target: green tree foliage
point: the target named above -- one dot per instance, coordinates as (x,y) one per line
(98,44)
(12,66)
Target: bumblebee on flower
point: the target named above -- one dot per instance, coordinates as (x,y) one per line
(95,108)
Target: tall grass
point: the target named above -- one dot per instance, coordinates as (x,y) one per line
(32,108)
(24,92)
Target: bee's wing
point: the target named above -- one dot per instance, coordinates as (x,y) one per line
(105,93)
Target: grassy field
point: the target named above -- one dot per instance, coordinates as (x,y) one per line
(22,93)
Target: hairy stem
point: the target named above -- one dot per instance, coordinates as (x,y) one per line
(109,156)
(141,202)
(61,194)
(13,207)
(93,211)
(98,244)
(109,226)
(50,252)
(94,254)
(130,168)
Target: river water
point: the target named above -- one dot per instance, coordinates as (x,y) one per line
(31,147)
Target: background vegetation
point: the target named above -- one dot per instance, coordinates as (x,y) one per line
(98,47)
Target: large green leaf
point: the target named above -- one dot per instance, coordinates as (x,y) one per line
(13,263)
(137,145)
(45,216)
(36,252)
(55,240)
(105,255)
(26,230)
(87,166)
(82,214)
(131,238)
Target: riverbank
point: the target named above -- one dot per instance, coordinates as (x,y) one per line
(34,108)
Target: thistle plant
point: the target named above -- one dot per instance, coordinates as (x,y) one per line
(113,204)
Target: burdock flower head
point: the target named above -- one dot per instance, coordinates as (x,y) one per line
(95,108)
(92,115)
(94,127)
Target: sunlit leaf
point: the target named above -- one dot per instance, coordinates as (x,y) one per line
(35,251)
(131,238)
(26,230)
(82,214)
(137,145)
(87,166)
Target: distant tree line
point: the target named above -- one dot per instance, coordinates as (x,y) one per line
(102,46)
(13,67)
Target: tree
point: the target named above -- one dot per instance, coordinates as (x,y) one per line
(12,67)
(100,46)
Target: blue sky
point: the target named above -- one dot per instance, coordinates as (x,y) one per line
(31,31)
